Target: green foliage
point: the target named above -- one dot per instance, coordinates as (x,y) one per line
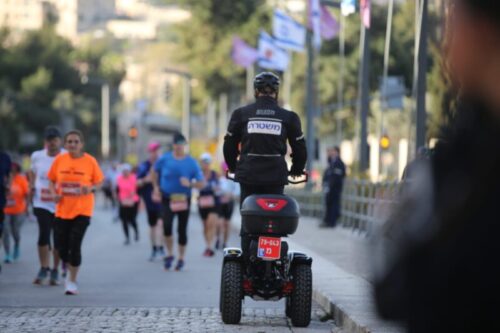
(40,82)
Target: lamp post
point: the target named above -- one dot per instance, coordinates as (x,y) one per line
(105,112)
(186,110)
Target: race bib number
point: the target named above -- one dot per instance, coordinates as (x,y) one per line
(178,203)
(206,201)
(264,127)
(46,196)
(70,189)
(269,248)
(225,199)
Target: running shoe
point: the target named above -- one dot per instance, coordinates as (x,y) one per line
(179,266)
(217,244)
(43,274)
(167,262)
(161,251)
(71,288)
(17,253)
(54,277)
(137,237)
(7,259)
(153,254)
(208,253)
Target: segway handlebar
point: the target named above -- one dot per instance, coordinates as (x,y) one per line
(304,178)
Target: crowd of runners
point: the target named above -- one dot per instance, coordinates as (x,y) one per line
(59,188)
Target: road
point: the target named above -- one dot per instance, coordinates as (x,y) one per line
(121,291)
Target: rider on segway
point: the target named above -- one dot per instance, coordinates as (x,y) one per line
(263,129)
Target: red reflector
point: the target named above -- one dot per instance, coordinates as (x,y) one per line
(273,205)
(287,287)
(247,285)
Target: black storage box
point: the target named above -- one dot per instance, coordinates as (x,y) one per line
(270,215)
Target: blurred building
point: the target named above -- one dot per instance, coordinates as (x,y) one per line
(74,17)
(132,29)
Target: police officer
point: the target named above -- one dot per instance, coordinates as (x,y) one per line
(263,130)
(333,182)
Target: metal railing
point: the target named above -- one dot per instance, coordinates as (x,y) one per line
(364,204)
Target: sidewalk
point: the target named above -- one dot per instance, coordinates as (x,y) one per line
(341,273)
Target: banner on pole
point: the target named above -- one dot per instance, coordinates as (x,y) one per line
(315,22)
(348,7)
(289,34)
(243,54)
(329,26)
(364,10)
(271,56)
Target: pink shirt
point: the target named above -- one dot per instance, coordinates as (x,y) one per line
(127,188)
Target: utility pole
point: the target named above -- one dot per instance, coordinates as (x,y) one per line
(421,74)
(363,97)
(310,101)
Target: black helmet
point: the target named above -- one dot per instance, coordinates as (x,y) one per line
(266,80)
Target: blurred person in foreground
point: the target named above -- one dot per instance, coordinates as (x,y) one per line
(229,192)
(15,212)
(437,266)
(74,178)
(333,182)
(153,207)
(44,205)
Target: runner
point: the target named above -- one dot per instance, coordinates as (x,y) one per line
(5,165)
(229,192)
(153,209)
(208,203)
(15,212)
(128,200)
(178,174)
(44,206)
(109,188)
(74,178)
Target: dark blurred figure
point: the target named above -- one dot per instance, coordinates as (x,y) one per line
(423,154)
(333,182)
(5,166)
(439,270)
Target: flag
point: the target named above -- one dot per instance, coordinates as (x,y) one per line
(243,54)
(364,10)
(348,7)
(329,26)
(315,22)
(289,34)
(271,56)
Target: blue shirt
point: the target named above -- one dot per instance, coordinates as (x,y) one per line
(171,170)
(4,173)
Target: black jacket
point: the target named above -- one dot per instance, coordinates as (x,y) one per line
(333,178)
(263,129)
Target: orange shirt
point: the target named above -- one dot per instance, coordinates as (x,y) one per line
(16,200)
(70,174)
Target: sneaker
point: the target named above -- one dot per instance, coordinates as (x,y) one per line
(7,259)
(137,237)
(43,274)
(54,277)
(208,253)
(167,262)
(179,266)
(217,244)
(71,288)
(161,251)
(17,253)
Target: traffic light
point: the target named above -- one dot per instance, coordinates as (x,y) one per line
(133,133)
(385,142)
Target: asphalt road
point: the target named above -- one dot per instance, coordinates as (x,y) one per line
(115,276)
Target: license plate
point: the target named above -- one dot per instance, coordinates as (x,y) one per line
(269,248)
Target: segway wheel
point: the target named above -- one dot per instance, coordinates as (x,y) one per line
(231,294)
(300,301)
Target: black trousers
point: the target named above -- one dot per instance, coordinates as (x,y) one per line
(69,235)
(182,221)
(332,204)
(246,191)
(128,216)
(2,218)
(46,224)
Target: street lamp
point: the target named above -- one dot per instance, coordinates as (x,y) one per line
(105,112)
(186,110)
